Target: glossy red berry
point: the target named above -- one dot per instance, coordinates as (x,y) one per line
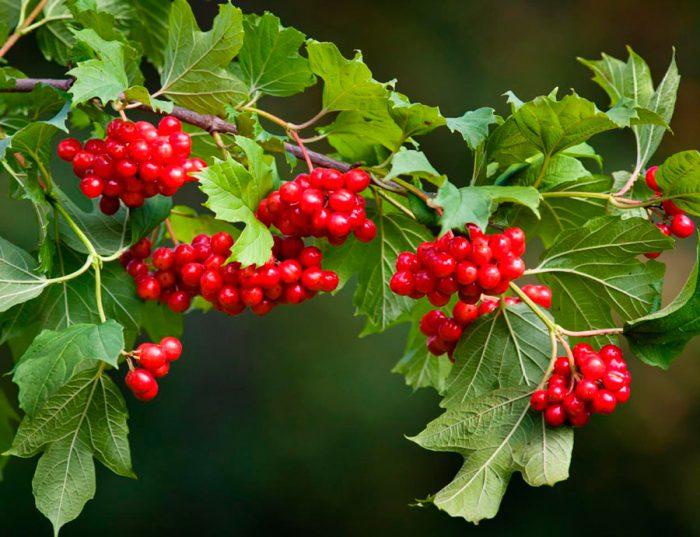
(604,402)
(151,356)
(538,400)
(464,313)
(650,178)
(682,226)
(68,148)
(561,366)
(140,381)
(402,283)
(555,415)
(593,367)
(356,180)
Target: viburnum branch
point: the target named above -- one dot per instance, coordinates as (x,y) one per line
(552,360)
(295,135)
(591,333)
(23,25)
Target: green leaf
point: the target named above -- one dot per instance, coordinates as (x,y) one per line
(141,94)
(558,214)
(632,80)
(103,77)
(475,204)
(413,163)
(86,418)
(679,178)
(347,84)
(19,276)
(146,218)
(234,193)
(554,125)
(473,126)
(497,436)
(55,38)
(374,264)
(414,119)
(593,270)
(363,136)
(270,62)
(660,337)
(9,16)
(187,224)
(72,302)
(507,145)
(150,28)
(195,70)
(54,356)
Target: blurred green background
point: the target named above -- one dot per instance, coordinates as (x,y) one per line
(292,425)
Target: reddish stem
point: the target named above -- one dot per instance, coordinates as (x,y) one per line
(295,135)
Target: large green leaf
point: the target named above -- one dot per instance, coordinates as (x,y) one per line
(234,193)
(348,84)
(374,264)
(54,357)
(86,418)
(150,28)
(497,436)
(553,125)
(269,61)
(594,270)
(679,178)
(475,204)
(195,71)
(9,16)
(660,337)
(632,80)
(20,279)
(473,125)
(103,77)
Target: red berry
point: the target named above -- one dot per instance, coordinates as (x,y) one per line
(68,148)
(466,272)
(169,125)
(191,273)
(593,367)
(682,226)
(332,180)
(330,281)
(109,205)
(586,389)
(671,208)
(438,299)
(148,288)
(604,402)
(210,283)
(554,415)
(608,352)
(311,201)
(449,330)
(310,256)
(290,192)
(356,180)
(163,258)
(91,186)
(538,400)
(179,301)
(171,347)
(431,321)
(140,380)
(580,419)
(402,283)
(614,380)
(290,270)
(561,366)
(501,247)
(650,178)
(338,224)
(464,313)
(623,394)
(141,249)
(573,405)
(151,356)
(366,231)
(517,240)
(512,268)
(252,296)
(556,393)
(489,276)
(150,394)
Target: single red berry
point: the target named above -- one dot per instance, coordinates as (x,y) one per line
(558,380)
(148,288)
(68,148)
(366,231)
(342,201)
(402,283)
(623,394)
(586,389)
(431,321)
(312,278)
(593,367)
(329,282)
(109,205)
(179,301)
(573,405)
(251,296)
(512,268)
(310,256)
(561,366)
(459,248)
(290,270)
(338,224)
(517,240)
(449,330)
(181,143)
(162,370)
(151,356)
(169,125)
(556,393)
(311,200)
(682,226)
(140,380)
(650,178)
(554,415)
(191,273)
(487,306)
(608,352)
(501,247)
(184,253)
(538,400)
(356,180)
(142,249)
(438,299)
(149,395)
(91,186)
(464,313)
(581,351)
(489,276)
(604,402)
(210,283)
(466,272)
(332,180)
(163,258)
(437,346)
(614,380)
(290,192)
(580,419)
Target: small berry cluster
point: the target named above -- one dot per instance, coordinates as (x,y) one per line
(154,362)
(444,332)
(674,221)
(599,381)
(456,264)
(174,276)
(134,162)
(323,203)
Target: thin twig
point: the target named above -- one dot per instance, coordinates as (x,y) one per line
(19,31)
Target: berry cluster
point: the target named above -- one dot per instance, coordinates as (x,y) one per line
(673,221)
(455,264)
(174,276)
(134,162)
(323,203)
(154,362)
(444,332)
(599,381)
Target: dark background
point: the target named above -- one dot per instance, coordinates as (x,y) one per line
(292,425)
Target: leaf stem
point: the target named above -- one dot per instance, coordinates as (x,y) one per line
(591,333)
(171,231)
(543,169)
(534,307)
(221,145)
(43,21)
(310,122)
(271,117)
(401,207)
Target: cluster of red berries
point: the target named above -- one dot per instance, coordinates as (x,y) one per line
(444,332)
(134,162)
(323,203)
(174,276)
(154,362)
(457,264)
(599,381)
(673,221)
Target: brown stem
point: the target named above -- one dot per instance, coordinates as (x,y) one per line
(18,31)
